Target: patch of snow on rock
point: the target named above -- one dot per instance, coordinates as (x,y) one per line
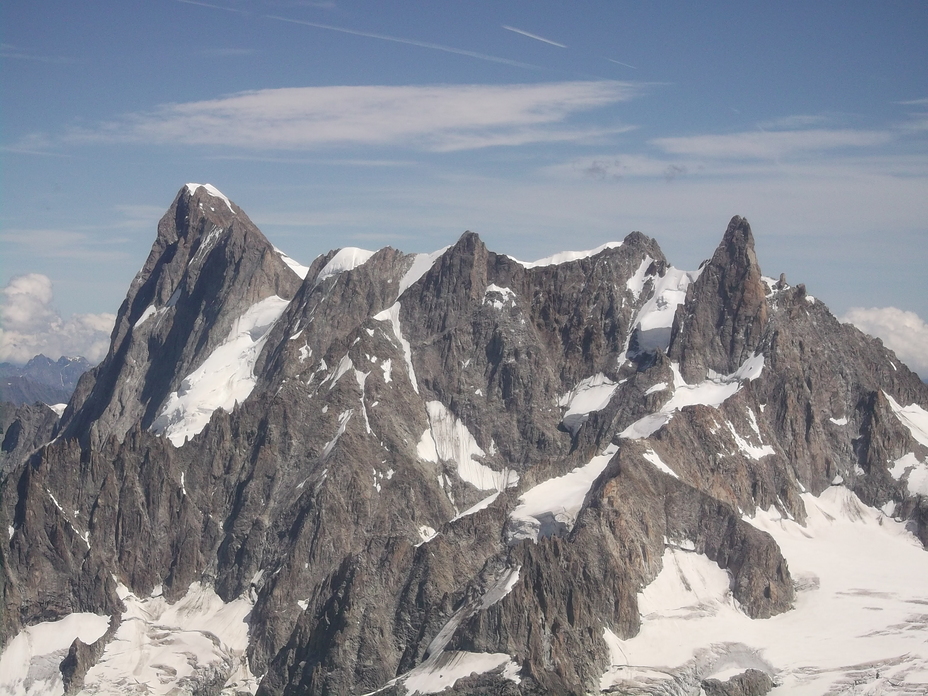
(295,266)
(346,259)
(224,379)
(392,315)
(213,191)
(914,471)
(913,417)
(567,256)
(421,265)
(498,296)
(656,460)
(449,440)
(29,662)
(712,391)
(553,505)
(434,677)
(636,283)
(162,648)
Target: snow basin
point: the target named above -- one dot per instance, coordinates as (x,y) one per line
(858,625)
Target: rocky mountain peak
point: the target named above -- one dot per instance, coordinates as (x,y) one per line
(722,320)
(458,472)
(208,266)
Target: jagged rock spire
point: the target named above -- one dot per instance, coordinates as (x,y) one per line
(721,322)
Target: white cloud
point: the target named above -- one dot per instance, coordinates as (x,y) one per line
(29,325)
(902,331)
(770,144)
(436,118)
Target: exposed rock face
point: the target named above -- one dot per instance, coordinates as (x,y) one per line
(442,465)
(208,264)
(752,682)
(721,323)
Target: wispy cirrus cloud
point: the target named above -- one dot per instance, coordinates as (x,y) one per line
(17,53)
(762,144)
(431,118)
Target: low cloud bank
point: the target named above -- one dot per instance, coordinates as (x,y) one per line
(29,325)
(904,332)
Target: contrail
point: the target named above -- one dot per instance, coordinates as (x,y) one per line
(618,62)
(534,36)
(214,7)
(408,42)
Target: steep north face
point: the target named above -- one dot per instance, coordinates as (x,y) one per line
(402,473)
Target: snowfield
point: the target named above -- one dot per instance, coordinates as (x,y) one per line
(857,627)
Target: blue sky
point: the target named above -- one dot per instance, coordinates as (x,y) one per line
(543,126)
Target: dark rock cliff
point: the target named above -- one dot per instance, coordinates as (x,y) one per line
(363,495)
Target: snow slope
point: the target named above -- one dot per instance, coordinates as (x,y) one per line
(858,625)
(225,378)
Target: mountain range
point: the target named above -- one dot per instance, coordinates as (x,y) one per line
(458,472)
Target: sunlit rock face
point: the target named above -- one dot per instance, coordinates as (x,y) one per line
(458,471)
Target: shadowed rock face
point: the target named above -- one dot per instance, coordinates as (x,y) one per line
(365,495)
(725,313)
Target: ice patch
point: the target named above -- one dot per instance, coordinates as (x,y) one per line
(914,471)
(426,533)
(387,367)
(567,256)
(553,505)
(224,379)
(712,391)
(421,265)
(655,318)
(295,266)
(346,259)
(588,395)
(432,677)
(482,505)
(656,460)
(392,315)
(213,191)
(58,408)
(29,662)
(149,312)
(913,417)
(498,296)
(753,451)
(636,283)
(449,440)
(343,419)
(838,421)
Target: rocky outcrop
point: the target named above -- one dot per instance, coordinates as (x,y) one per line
(722,320)
(751,682)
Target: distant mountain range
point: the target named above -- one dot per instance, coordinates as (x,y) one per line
(41,379)
(456,472)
